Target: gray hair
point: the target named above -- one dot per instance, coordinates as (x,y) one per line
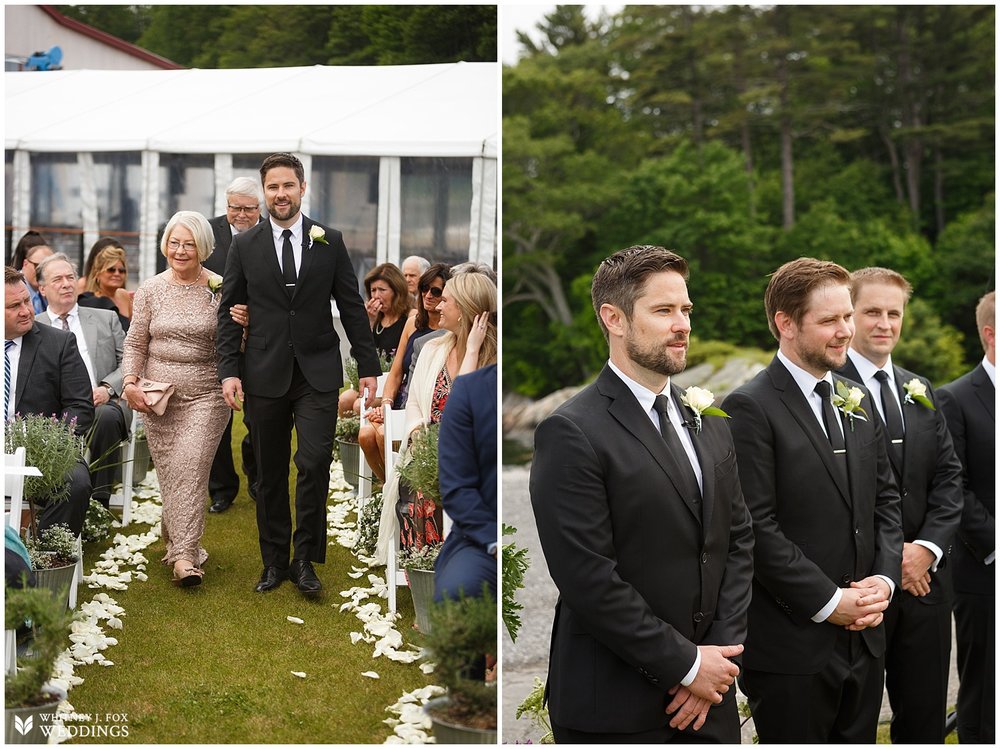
(472,267)
(199,227)
(246,187)
(422,263)
(40,270)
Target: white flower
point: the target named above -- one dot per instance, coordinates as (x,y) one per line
(294,620)
(300,674)
(371,675)
(916,392)
(214,283)
(317,234)
(700,401)
(848,400)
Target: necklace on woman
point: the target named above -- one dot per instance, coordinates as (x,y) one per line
(186,285)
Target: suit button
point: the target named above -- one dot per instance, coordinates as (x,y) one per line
(905,492)
(846,579)
(698,616)
(292,313)
(704,558)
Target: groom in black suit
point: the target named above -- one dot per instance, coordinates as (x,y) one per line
(644,530)
(929,475)
(826,521)
(287,270)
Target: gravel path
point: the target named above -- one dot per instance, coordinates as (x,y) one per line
(526,659)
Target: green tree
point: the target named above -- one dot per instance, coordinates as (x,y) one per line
(124,21)
(928,346)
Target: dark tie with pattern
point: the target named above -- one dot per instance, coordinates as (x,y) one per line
(833,430)
(893,419)
(288,261)
(63,318)
(7,345)
(669,434)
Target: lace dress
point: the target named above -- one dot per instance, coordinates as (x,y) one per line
(172,339)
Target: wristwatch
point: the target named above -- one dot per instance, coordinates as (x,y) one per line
(111,390)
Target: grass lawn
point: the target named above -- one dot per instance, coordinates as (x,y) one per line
(212,664)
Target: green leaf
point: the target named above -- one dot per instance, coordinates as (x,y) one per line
(713,411)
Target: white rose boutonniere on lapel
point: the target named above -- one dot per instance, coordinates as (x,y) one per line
(700,401)
(848,400)
(916,392)
(214,286)
(317,234)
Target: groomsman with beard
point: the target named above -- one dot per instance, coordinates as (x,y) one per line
(826,521)
(968,405)
(929,476)
(644,530)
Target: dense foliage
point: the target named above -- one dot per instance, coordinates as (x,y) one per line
(743,137)
(254,36)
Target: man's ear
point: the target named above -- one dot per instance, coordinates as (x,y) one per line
(614,320)
(785,324)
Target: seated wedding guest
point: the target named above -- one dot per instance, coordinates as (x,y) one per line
(105,281)
(467,473)
(413,268)
(30,251)
(172,340)
(47,377)
(470,342)
(100,339)
(394,391)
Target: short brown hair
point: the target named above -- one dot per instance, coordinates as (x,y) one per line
(790,287)
(986,314)
(282,159)
(879,275)
(397,282)
(12,276)
(621,278)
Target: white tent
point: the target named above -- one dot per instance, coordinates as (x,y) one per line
(390,112)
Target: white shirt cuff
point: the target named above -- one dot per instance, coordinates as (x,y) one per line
(890,583)
(934,549)
(686,681)
(824,613)
(990,558)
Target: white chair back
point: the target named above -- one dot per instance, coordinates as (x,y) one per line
(364,470)
(128,473)
(395,428)
(13,486)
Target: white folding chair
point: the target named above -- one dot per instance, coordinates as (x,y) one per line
(13,486)
(365,470)
(395,426)
(124,500)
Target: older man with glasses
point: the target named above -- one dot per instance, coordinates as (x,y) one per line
(243,199)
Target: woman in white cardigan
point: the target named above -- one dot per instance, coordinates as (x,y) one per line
(467,306)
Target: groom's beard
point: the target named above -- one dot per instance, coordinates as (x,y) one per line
(824,359)
(660,356)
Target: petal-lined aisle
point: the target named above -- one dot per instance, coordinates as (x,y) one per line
(222,664)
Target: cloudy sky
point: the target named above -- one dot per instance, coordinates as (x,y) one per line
(515,18)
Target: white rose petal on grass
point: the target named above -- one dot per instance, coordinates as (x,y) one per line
(427,668)
(371,675)
(294,620)
(300,674)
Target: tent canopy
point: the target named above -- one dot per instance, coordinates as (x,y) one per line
(447,110)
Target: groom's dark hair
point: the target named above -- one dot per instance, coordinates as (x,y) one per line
(621,278)
(790,286)
(282,159)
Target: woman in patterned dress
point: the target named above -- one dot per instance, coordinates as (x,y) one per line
(172,339)
(467,306)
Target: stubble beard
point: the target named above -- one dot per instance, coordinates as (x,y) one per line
(821,360)
(656,359)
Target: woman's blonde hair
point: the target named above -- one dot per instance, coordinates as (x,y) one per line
(200,230)
(474,294)
(105,258)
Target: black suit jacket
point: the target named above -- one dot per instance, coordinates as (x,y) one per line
(52,378)
(813,534)
(216,262)
(300,328)
(642,578)
(929,479)
(968,405)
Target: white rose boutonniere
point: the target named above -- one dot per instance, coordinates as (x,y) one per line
(916,392)
(317,234)
(700,401)
(214,287)
(848,400)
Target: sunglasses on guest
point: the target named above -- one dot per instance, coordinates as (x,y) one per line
(434,290)
(116,270)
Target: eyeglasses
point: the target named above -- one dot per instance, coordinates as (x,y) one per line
(434,291)
(116,270)
(243,208)
(32,263)
(173,244)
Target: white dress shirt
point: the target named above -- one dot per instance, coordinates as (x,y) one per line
(296,238)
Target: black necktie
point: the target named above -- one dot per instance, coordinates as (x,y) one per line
(833,432)
(893,419)
(669,434)
(288,261)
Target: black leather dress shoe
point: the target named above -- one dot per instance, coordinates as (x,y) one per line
(271,578)
(304,576)
(252,491)
(220,505)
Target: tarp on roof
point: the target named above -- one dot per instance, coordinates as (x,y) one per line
(447,110)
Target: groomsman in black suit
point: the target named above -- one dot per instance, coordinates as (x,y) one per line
(288,269)
(968,405)
(929,476)
(644,530)
(242,212)
(826,521)
(44,374)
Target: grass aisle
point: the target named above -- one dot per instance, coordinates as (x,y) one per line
(213,664)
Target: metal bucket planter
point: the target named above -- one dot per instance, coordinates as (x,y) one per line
(23,725)
(58,580)
(452,733)
(422,592)
(350,455)
(140,465)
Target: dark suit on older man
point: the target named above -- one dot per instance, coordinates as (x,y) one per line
(816,528)
(647,569)
(918,628)
(291,370)
(968,405)
(52,380)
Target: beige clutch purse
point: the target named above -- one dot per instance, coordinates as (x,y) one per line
(157,394)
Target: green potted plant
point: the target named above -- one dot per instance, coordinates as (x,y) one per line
(53,556)
(29,701)
(420,470)
(462,633)
(347,431)
(419,566)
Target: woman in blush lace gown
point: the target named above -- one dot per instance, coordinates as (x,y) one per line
(172,339)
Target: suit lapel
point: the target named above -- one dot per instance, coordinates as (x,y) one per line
(851,372)
(29,348)
(984,389)
(89,334)
(793,399)
(307,255)
(625,409)
(265,245)
(706,463)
